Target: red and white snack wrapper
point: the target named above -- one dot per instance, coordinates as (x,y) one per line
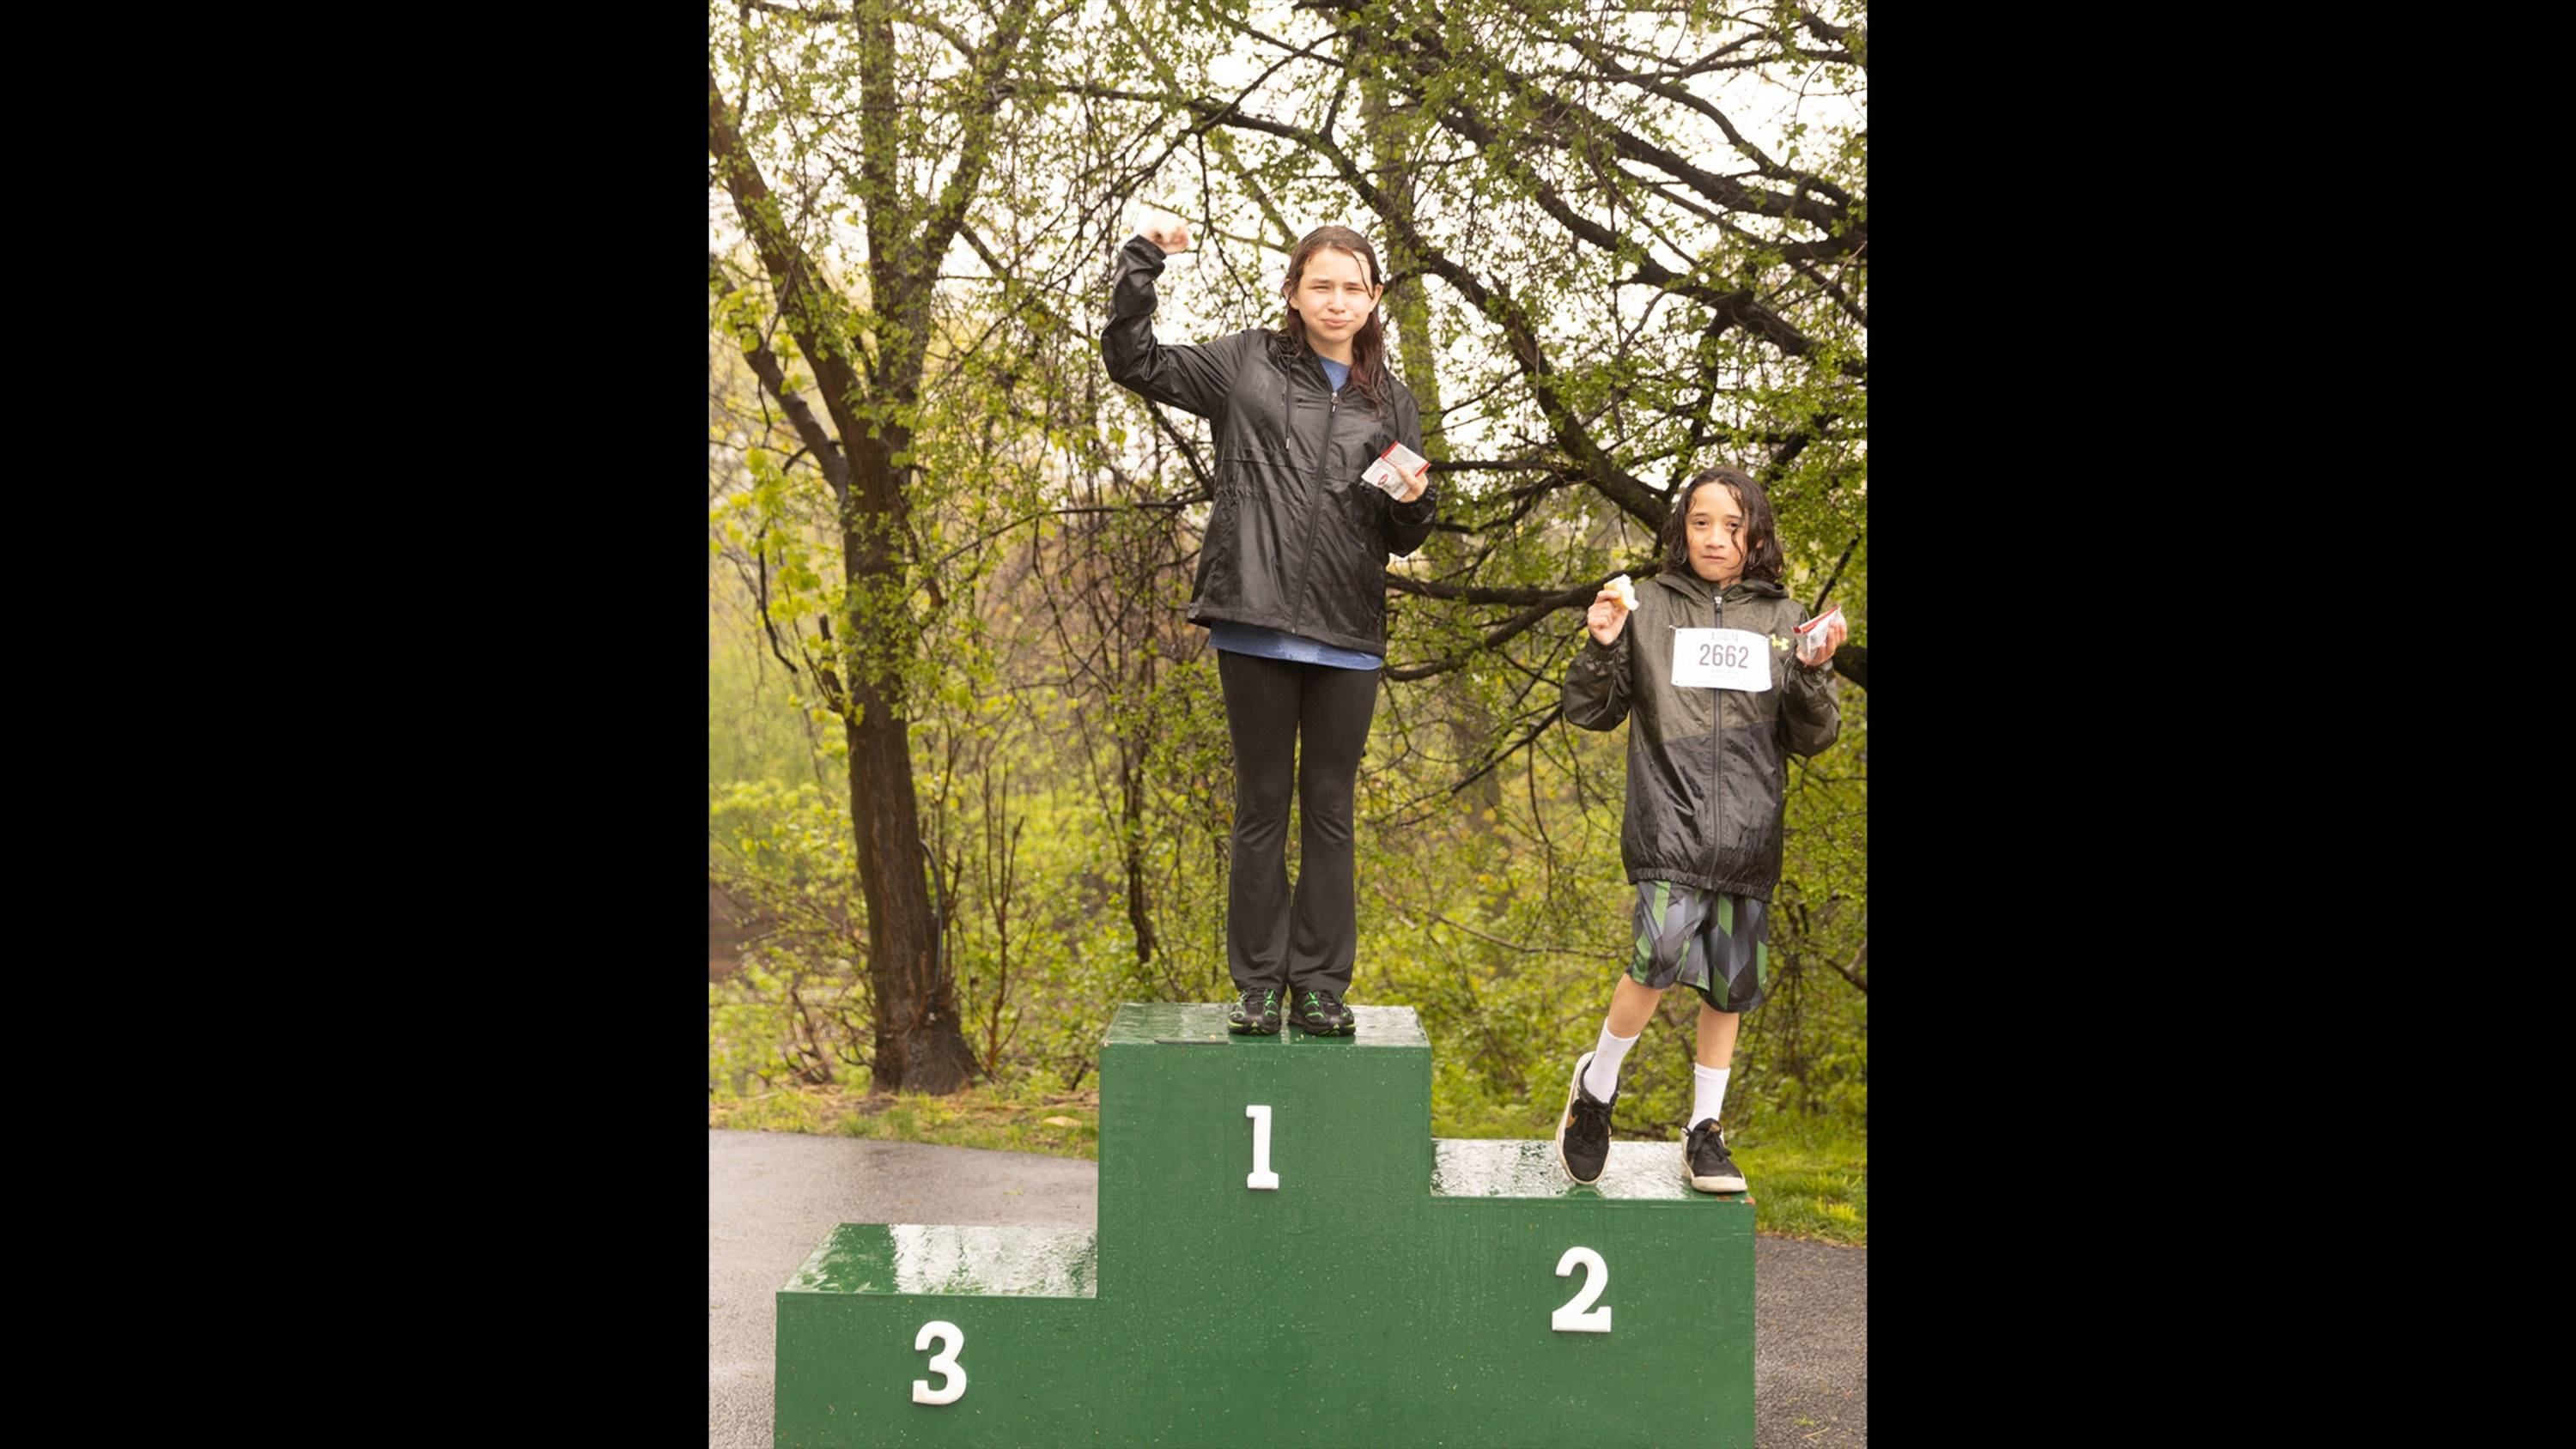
(1812,632)
(1395,469)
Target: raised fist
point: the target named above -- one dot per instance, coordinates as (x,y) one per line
(1166,231)
(1607,616)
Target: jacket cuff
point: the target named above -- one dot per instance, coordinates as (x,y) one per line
(1143,252)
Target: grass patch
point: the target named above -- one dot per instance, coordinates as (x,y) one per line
(1809,1179)
(1481,1118)
(811,1110)
(1005,1118)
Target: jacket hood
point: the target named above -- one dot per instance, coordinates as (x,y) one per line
(1700,590)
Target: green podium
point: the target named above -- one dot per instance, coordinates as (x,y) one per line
(1286,1255)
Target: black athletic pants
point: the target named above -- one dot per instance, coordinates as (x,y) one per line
(1272,708)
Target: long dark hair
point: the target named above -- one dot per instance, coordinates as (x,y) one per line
(1762,556)
(1368,345)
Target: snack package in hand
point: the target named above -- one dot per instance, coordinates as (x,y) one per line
(1395,469)
(1812,632)
(1627,593)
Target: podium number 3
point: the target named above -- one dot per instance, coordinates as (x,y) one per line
(952,1379)
(1261,1176)
(1578,1315)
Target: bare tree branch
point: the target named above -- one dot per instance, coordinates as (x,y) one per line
(1554,713)
(1851,973)
(1836,576)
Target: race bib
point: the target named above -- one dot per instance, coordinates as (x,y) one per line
(1721,659)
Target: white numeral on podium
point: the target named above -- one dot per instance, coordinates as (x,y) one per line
(1261,1176)
(943,1363)
(1572,1318)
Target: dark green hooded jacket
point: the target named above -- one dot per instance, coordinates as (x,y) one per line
(1706,767)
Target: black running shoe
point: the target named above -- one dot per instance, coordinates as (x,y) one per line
(1321,1013)
(1257,1014)
(1710,1166)
(1583,1133)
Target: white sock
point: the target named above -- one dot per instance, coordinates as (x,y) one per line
(1602,1077)
(1708,1092)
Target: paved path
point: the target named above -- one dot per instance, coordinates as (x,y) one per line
(771,1196)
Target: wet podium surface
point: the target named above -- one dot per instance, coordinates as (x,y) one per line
(1285,1255)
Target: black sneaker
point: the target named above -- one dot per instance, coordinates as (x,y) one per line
(1257,1014)
(1583,1133)
(1706,1161)
(1321,1013)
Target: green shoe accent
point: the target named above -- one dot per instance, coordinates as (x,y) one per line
(1254,1018)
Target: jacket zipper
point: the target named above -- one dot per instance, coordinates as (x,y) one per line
(1717,752)
(1314,504)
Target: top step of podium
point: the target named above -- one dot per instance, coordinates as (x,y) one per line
(1202,1024)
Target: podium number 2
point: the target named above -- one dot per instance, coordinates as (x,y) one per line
(1578,1315)
(1261,1176)
(952,1379)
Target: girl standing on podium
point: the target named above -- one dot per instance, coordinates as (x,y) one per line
(1719,690)
(1290,586)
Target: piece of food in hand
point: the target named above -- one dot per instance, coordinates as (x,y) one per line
(1626,591)
(1395,469)
(1813,633)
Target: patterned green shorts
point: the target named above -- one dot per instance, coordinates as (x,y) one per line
(1709,941)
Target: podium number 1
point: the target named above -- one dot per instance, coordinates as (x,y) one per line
(1261,1176)
(952,1379)
(1578,1315)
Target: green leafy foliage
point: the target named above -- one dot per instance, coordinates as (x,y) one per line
(1627,241)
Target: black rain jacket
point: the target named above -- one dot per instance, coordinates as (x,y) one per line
(1707,768)
(1298,541)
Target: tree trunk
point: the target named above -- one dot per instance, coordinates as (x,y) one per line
(920,1043)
